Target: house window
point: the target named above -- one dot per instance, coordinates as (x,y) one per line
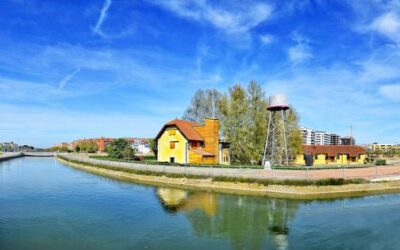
(171,132)
(172,144)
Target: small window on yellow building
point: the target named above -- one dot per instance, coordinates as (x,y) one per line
(171,132)
(172,144)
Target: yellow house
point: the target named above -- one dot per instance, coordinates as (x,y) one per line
(333,154)
(188,142)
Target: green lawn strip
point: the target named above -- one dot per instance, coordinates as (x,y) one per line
(265,182)
(155,162)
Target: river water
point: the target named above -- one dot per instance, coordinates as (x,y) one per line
(47,205)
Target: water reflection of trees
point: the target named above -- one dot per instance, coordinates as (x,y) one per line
(248,222)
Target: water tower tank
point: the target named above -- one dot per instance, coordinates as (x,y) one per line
(278,102)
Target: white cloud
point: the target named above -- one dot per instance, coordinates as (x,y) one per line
(237,18)
(391,92)
(300,52)
(103,14)
(68,78)
(388,25)
(267,38)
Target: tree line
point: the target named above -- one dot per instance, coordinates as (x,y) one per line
(243,115)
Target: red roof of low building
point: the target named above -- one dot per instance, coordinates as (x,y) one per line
(185,127)
(333,150)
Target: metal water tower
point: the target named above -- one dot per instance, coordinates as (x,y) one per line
(276,142)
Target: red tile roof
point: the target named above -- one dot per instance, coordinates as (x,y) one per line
(333,150)
(185,127)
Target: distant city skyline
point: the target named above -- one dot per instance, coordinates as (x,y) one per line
(83,69)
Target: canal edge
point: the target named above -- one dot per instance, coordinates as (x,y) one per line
(275,191)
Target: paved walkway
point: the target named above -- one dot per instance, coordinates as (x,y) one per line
(8,156)
(365,173)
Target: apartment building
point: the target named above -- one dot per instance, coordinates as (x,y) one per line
(322,138)
(384,147)
(312,137)
(347,140)
(335,139)
(307,136)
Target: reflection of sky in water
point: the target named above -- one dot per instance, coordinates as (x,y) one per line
(45,205)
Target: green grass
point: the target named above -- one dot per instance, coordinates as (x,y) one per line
(380,162)
(265,182)
(153,161)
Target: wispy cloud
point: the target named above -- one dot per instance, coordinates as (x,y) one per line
(387,24)
(103,14)
(68,78)
(391,91)
(267,39)
(236,18)
(301,51)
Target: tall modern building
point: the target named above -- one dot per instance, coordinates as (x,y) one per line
(322,138)
(347,140)
(335,139)
(307,136)
(312,137)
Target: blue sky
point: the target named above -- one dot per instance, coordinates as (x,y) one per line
(79,69)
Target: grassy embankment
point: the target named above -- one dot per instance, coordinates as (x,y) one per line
(264,182)
(151,160)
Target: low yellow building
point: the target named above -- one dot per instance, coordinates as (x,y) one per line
(332,154)
(187,142)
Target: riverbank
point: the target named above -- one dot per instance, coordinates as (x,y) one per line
(9,156)
(271,190)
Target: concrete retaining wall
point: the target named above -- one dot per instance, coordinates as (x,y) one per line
(198,171)
(9,156)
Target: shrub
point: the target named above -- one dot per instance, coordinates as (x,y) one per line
(380,162)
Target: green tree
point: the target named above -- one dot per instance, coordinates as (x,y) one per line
(243,117)
(234,108)
(83,146)
(257,121)
(204,104)
(294,133)
(129,153)
(77,148)
(116,148)
(91,147)
(154,146)
(63,149)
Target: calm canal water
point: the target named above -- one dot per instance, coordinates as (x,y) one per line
(47,205)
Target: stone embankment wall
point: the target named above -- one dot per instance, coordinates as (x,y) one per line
(9,156)
(181,170)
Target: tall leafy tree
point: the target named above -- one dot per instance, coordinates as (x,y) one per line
(204,104)
(243,117)
(234,108)
(257,121)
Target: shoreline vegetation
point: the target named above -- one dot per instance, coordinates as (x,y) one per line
(151,161)
(283,188)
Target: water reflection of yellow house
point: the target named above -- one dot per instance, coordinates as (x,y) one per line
(176,200)
(188,142)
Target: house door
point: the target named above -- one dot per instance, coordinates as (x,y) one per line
(172,159)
